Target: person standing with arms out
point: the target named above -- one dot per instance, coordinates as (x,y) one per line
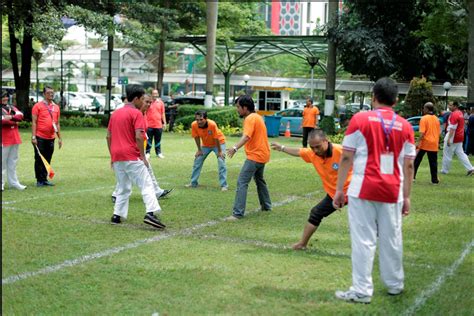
(258,154)
(310,120)
(11,141)
(453,141)
(208,138)
(325,158)
(380,147)
(428,142)
(125,142)
(156,120)
(44,128)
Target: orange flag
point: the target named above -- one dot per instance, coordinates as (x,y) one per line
(46,164)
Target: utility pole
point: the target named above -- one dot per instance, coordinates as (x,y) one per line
(211,14)
(331,65)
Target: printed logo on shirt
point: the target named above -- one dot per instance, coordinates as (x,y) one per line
(209,132)
(335,166)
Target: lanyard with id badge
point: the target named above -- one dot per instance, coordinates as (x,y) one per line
(387,157)
(55,127)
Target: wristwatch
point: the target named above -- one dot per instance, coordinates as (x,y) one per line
(33,137)
(235,148)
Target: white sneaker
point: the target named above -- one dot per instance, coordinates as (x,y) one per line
(147,155)
(160,156)
(20,187)
(351,296)
(223,189)
(394,291)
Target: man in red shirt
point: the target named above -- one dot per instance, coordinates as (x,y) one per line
(380,147)
(125,142)
(208,138)
(156,120)
(325,158)
(11,140)
(44,128)
(453,141)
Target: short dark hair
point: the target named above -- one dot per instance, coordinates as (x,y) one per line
(201,113)
(386,91)
(310,99)
(429,106)
(46,88)
(5,94)
(134,91)
(456,104)
(317,133)
(246,101)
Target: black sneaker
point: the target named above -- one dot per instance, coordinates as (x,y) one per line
(115,220)
(152,220)
(114,199)
(165,193)
(470,173)
(47,183)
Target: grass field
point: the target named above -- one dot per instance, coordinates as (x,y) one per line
(61,256)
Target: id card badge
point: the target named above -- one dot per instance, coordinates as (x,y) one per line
(386,163)
(55,127)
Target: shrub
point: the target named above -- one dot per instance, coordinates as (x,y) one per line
(337,138)
(328,126)
(420,92)
(76,121)
(68,114)
(223,117)
(231,131)
(186,110)
(24,124)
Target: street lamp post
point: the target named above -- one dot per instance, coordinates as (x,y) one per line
(312,61)
(37,56)
(189,51)
(246,79)
(447,85)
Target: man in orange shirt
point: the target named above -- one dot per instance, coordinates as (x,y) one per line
(44,128)
(310,120)
(429,141)
(156,119)
(208,138)
(325,158)
(258,154)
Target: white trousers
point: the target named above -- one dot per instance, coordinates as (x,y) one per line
(449,151)
(156,186)
(126,173)
(368,221)
(9,161)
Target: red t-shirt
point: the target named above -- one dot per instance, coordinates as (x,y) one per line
(456,121)
(122,126)
(44,123)
(155,114)
(366,137)
(10,134)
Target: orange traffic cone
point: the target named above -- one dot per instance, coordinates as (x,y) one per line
(287,132)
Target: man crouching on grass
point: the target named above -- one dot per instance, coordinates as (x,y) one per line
(325,158)
(125,142)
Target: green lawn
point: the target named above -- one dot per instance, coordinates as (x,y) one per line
(61,256)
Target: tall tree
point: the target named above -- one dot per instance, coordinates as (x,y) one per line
(28,20)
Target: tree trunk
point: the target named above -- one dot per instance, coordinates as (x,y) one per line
(470,63)
(22,81)
(211,14)
(161,63)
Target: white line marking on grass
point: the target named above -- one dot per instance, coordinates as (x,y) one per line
(73,218)
(132,245)
(435,286)
(56,194)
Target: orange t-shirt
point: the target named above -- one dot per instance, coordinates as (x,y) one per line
(309,116)
(430,127)
(44,123)
(327,167)
(154,114)
(257,148)
(209,134)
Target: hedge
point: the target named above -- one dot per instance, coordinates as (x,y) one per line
(223,117)
(186,110)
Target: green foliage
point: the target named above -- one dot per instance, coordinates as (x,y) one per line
(336,138)
(223,117)
(406,39)
(68,114)
(24,124)
(327,125)
(420,92)
(78,121)
(231,131)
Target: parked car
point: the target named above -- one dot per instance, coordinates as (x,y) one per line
(353,108)
(76,101)
(294,117)
(415,122)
